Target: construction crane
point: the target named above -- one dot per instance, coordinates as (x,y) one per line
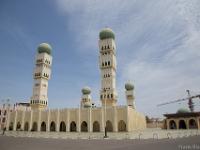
(189,98)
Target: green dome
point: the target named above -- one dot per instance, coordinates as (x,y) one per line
(44,48)
(182,110)
(86,90)
(129,86)
(106,33)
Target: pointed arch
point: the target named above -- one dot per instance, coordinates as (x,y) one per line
(11,126)
(172,124)
(62,126)
(109,126)
(34,126)
(84,126)
(121,126)
(18,127)
(73,126)
(26,126)
(43,126)
(192,124)
(182,124)
(52,126)
(96,126)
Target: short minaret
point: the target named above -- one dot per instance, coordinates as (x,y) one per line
(130,95)
(107,64)
(86,98)
(42,73)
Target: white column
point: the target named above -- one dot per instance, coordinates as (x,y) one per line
(39,120)
(102,120)
(48,120)
(115,128)
(58,121)
(8,121)
(15,123)
(31,120)
(127,118)
(68,123)
(23,117)
(79,120)
(90,120)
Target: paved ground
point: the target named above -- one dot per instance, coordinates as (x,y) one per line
(143,134)
(25,143)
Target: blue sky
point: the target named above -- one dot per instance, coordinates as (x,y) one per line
(158,49)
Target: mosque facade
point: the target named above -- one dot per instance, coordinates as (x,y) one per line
(86,118)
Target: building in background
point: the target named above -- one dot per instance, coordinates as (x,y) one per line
(182,119)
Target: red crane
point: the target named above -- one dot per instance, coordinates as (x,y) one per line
(189,98)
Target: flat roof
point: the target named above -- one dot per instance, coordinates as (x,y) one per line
(184,115)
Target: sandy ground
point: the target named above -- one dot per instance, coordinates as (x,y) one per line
(27,143)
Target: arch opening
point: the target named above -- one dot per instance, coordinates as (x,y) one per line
(84,126)
(96,126)
(43,126)
(172,124)
(18,127)
(73,127)
(192,124)
(52,126)
(121,126)
(11,126)
(109,126)
(182,124)
(34,127)
(62,126)
(26,126)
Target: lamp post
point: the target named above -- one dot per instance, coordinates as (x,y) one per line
(105,135)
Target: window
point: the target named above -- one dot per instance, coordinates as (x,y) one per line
(105,47)
(108,47)
(101,96)
(102,48)
(105,63)
(108,63)
(111,95)
(108,96)
(102,64)
(37,84)
(4,112)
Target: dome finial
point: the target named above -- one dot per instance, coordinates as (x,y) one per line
(129,86)
(86,90)
(106,33)
(44,48)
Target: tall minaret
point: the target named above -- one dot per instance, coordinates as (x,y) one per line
(130,98)
(107,64)
(42,73)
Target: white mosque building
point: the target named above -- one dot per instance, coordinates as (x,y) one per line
(86,118)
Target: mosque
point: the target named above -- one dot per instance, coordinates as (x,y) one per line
(86,118)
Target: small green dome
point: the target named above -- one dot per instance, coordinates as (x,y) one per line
(129,86)
(182,110)
(44,48)
(86,90)
(106,33)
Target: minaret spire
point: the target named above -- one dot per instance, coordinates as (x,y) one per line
(42,73)
(108,65)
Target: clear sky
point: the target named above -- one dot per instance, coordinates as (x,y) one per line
(158,49)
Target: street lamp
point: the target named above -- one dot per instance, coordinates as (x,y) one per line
(105,135)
